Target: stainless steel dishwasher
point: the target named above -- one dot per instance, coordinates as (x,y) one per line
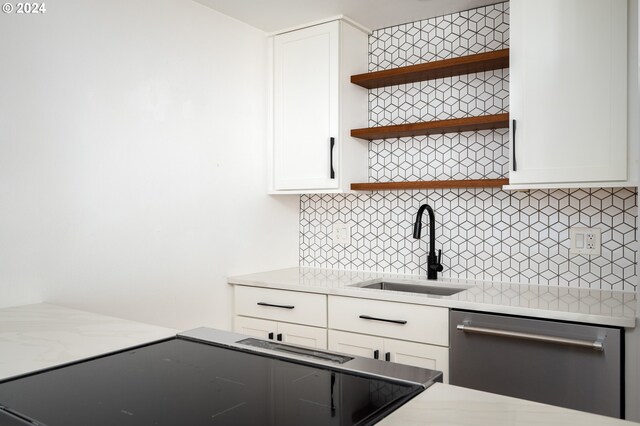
(566,364)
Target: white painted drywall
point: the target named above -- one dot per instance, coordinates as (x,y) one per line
(132,160)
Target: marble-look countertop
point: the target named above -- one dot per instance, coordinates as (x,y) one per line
(34,337)
(450,405)
(602,307)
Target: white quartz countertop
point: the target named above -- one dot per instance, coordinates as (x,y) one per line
(602,307)
(449,405)
(34,337)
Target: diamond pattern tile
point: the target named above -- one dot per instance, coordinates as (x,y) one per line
(467,155)
(440,99)
(484,234)
(472,31)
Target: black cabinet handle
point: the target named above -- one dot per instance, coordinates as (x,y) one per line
(279,337)
(387,356)
(515,166)
(367,317)
(332,142)
(271,336)
(376,354)
(271,305)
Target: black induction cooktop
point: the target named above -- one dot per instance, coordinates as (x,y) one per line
(191,381)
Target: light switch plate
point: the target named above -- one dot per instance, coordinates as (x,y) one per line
(341,234)
(585,241)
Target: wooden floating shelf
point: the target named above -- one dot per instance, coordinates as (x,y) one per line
(433,184)
(480,62)
(469,124)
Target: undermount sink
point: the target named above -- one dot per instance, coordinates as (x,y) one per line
(412,287)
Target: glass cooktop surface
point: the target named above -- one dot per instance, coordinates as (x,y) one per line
(182,382)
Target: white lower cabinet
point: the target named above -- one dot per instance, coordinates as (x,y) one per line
(400,351)
(262,329)
(356,344)
(303,335)
(419,354)
(296,334)
(392,331)
(405,333)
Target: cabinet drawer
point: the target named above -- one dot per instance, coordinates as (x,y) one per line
(281,305)
(424,324)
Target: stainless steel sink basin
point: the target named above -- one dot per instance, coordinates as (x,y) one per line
(412,287)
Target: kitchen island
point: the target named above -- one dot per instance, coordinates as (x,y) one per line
(34,337)
(39,336)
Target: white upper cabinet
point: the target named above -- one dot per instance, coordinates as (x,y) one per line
(314,108)
(568,93)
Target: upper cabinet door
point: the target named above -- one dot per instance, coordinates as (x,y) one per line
(306,107)
(568,91)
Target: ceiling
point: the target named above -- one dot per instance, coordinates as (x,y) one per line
(274,15)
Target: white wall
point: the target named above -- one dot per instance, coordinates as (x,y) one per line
(132,160)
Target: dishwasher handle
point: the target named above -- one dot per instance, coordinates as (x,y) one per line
(596,345)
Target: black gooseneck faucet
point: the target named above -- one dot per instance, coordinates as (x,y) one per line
(433,264)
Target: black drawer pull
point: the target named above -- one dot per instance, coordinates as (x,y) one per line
(271,336)
(279,337)
(276,306)
(376,354)
(367,317)
(387,356)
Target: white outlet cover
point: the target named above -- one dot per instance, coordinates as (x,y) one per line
(341,234)
(585,241)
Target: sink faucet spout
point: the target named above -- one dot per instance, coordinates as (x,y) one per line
(433,263)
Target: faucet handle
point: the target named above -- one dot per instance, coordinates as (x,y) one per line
(438,265)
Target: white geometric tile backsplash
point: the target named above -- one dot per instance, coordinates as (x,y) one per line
(440,99)
(486,234)
(458,34)
(468,155)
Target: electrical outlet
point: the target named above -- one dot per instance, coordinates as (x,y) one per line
(585,241)
(341,234)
